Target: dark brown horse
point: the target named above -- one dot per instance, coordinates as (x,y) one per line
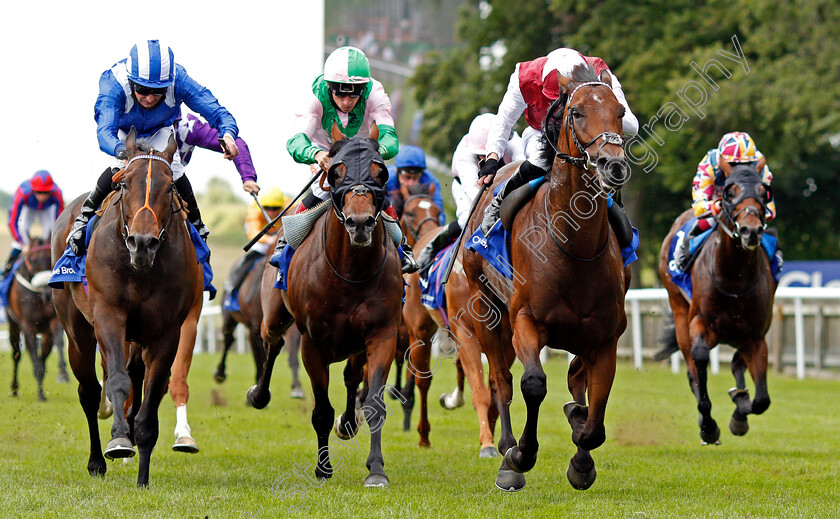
(250,315)
(732,299)
(142,283)
(344,290)
(31,311)
(569,280)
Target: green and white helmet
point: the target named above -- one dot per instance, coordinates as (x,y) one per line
(347,65)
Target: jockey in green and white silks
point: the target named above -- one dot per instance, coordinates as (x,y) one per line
(346,95)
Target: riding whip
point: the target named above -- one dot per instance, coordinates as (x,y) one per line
(270,224)
(265,214)
(461,236)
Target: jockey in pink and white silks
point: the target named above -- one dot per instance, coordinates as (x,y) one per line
(734,148)
(533,87)
(145,91)
(38,197)
(346,95)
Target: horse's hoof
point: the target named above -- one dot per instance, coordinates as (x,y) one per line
(119,448)
(580,480)
(342,433)
(185,444)
(739,427)
(451,402)
(377,480)
(297,392)
(712,438)
(575,412)
(508,480)
(257,403)
(219,376)
(529,464)
(488,452)
(62,378)
(41,397)
(97,469)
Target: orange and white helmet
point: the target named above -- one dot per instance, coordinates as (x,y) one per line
(737,147)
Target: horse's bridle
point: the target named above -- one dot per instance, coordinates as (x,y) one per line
(550,122)
(416,232)
(728,206)
(27,283)
(122,186)
(357,190)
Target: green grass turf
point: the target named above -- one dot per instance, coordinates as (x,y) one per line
(652,464)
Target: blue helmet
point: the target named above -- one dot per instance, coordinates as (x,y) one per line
(410,157)
(151,64)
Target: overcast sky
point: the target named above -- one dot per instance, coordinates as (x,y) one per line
(256,57)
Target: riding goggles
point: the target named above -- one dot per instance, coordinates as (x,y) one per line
(147,91)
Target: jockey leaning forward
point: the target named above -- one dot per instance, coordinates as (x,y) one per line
(38,197)
(145,91)
(346,95)
(533,87)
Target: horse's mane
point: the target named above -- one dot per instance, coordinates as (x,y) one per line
(582,73)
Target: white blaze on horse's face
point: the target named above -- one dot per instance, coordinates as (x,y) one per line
(593,115)
(360,216)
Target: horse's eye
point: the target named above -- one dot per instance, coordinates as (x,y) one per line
(575,113)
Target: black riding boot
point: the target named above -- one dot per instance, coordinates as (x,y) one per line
(443,238)
(193,214)
(620,225)
(76,237)
(240,269)
(409,266)
(14,254)
(525,173)
(682,257)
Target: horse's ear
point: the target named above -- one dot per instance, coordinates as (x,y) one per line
(131,141)
(606,77)
(374,132)
(725,167)
(171,146)
(431,189)
(759,165)
(563,82)
(335,133)
(381,175)
(334,176)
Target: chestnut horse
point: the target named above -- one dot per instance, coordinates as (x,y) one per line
(732,299)
(31,311)
(143,282)
(344,291)
(569,281)
(420,222)
(250,315)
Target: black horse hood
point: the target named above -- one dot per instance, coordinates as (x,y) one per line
(357,155)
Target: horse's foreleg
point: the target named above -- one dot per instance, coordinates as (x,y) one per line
(258,349)
(179,390)
(110,333)
(147,426)
(739,394)
(528,341)
(422,377)
(58,344)
(31,340)
(323,414)
(347,425)
(469,363)
(381,349)
(276,320)
(756,359)
(136,371)
(14,340)
(701,343)
(294,362)
(228,326)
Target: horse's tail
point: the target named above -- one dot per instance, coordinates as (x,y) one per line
(668,338)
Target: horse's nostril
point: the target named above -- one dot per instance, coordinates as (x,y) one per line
(370,222)
(131,242)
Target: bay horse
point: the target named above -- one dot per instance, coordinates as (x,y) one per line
(420,222)
(344,291)
(143,282)
(567,295)
(250,316)
(31,311)
(732,299)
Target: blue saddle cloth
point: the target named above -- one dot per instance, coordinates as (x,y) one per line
(432,292)
(6,282)
(495,248)
(231,302)
(683,279)
(71,268)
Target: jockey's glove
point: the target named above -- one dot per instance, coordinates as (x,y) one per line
(488,167)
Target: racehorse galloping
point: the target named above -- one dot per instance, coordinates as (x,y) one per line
(569,280)
(344,290)
(732,299)
(142,282)
(31,311)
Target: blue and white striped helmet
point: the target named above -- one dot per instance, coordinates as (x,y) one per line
(151,64)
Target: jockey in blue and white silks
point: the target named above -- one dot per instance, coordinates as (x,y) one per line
(145,91)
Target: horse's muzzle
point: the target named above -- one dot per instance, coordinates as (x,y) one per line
(360,228)
(613,171)
(750,236)
(142,249)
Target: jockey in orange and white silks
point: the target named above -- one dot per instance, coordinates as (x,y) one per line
(347,96)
